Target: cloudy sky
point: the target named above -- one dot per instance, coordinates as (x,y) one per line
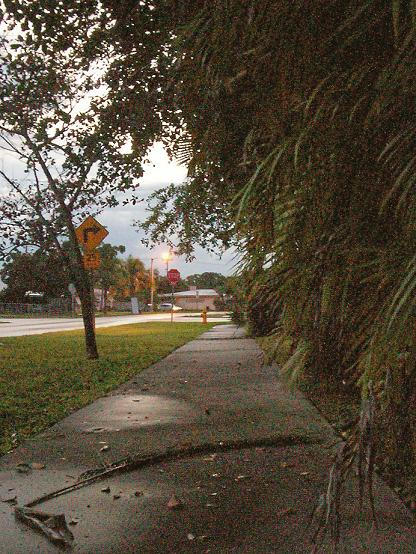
(158,173)
(119,221)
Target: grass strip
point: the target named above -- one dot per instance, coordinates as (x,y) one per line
(45,377)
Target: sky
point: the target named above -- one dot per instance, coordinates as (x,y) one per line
(159,172)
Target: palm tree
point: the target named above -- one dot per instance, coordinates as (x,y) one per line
(300,127)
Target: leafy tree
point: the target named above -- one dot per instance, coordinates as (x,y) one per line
(25,272)
(134,278)
(207,280)
(110,271)
(56,120)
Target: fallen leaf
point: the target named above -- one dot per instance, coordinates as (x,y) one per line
(51,525)
(23,468)
(36,465)
(174,503)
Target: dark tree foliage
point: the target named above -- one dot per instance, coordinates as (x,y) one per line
(33,272)
(208,280)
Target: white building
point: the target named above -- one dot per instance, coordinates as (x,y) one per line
(197,299)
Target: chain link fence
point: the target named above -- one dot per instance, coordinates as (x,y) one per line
(59,306)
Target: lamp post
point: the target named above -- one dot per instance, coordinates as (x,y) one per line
(152,283)
(167,256)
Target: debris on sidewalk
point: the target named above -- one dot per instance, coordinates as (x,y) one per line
(174,503)
(23,468)
(10,499)
(52,525)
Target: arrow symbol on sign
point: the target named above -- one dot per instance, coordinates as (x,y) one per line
(93,230)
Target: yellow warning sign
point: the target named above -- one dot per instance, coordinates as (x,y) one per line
(90,233)
(92,259)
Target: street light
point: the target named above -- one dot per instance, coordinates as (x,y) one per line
(166,257)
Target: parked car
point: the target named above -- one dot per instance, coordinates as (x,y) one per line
(167,306)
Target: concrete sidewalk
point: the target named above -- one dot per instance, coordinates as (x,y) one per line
(265,460)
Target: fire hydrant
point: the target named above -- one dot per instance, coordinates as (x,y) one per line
(204,316)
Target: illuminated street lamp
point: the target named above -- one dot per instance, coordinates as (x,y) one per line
(166,257)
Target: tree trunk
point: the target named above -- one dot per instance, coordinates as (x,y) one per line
(75,262)
(105,300)
(88,317)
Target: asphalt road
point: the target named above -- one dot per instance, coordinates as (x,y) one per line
(15,327)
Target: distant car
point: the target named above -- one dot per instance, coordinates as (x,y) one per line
(167,306)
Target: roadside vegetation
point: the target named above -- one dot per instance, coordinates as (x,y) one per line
(43,378)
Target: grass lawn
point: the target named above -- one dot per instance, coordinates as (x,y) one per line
(45,377)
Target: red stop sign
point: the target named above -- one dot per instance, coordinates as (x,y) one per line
(173,276)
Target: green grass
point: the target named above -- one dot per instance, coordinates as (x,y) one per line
(45,377)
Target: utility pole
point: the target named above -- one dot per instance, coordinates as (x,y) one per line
(152,280)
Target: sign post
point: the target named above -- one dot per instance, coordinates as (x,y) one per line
(90,234)
(173,277)
(73,291)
